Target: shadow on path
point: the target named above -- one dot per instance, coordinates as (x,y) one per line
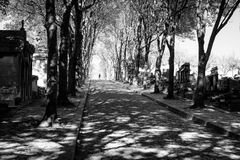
(123,125)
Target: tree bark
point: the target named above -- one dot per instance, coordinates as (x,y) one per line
(125,59)
(63,58)
(148,39)
(161,48)
(77,52)
(51,27)
(199,92)
(147,49)
(198,99)
(120,61)
(202,62)
(71,72)
(139,50)
(171,47)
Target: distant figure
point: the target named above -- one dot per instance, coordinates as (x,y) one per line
(99,76)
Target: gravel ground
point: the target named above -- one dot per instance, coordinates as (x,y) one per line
(120,125)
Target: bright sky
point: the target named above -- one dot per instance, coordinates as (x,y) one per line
(226,43)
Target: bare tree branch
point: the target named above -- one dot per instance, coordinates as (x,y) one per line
(228,15)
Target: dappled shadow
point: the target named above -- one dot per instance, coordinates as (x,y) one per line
(123,125)
(21,138)
(228,120)
(33,143)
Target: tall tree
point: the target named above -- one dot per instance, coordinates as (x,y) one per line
(119,56)
(80,8)
(138,6)
(149,27)
(139,43)
(125,58)
(149,30)
(160,17)
(51,27)
(161,47)
(224,10)
(76,51)
(174,10)
(63,56)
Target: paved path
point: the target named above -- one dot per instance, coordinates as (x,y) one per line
(119,125)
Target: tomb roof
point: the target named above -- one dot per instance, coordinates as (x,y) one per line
(14,41)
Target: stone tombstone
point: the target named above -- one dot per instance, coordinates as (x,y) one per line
(214,78)
(184,73)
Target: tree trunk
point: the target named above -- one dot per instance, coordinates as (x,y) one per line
(171,48)
(116,74)
(146,66)
(120,62)
(139,50)
(157,75)
(72,72)
(87,40)
(202,58)
(125,59)
(199,92)
(63,58)
(77,52)
(51,27)
(137,60)
(147,50)
(161,48)
(171,74)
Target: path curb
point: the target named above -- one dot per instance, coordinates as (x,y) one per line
(80,121)
(197,119)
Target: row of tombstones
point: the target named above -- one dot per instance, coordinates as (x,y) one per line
(224,92)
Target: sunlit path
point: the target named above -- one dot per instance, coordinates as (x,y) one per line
(124,125)
(188,50)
